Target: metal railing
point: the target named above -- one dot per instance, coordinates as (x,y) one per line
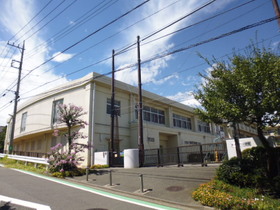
(27,159)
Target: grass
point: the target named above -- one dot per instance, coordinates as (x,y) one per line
(41,169)
(10,163)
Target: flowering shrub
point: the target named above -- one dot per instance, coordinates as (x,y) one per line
(62,163)
(224,196)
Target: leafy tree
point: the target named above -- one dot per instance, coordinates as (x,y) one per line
(244,89)
(221,98)
(2,138)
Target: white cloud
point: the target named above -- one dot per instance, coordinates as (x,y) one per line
(150,25)
(186,98)
(32,58)
(152,49)
(61,57)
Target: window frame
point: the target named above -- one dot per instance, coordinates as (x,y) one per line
(55,105)
(151,114)
(117,105)
(204,127)
(180,121)
(23,122)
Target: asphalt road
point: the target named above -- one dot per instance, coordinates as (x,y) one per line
(56,194)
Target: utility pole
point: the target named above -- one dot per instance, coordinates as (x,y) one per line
(112,149)
(276,9)
(140,108)
(16,93)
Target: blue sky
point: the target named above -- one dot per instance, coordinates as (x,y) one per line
(62,38)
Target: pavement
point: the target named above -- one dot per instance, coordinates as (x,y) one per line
(169,185)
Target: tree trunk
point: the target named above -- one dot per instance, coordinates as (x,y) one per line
(69,140)
(262,138)
(271,156)
(236,141)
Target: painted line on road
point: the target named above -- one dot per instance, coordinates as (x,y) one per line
(24,203)
(100,192)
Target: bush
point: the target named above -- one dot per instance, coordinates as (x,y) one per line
(243,173)
(98,166)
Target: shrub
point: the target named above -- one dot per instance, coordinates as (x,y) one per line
(242,173)
(98,166)
(63,161)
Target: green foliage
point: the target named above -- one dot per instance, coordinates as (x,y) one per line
(2,139)
(7,161)
(98,166)
(10,163)
(224,196)
(246,88)
(243,173)
(72,173)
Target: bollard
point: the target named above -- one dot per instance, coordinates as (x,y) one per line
(141,183)
(110,173)
(87,172)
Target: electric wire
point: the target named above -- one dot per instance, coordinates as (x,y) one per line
(36,15)
(52,19)
(89,35)
(86,37)
(212,39)
(182,49)
(93,12)
(185,48)
(107,38)
(41,20)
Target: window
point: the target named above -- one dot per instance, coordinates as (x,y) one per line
(191,142)
(152,115)
(182,122)
(39,142)
(53,142)
(23,122)
(55,113)
(117,105)
(32,145)
(151,139)
(203,127)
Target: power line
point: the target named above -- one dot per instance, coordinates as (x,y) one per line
(175,51)
(60,13)
(93,12)
(42,19)
(94,45)
(37,14)
(88,36)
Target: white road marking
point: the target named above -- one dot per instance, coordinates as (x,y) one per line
(24,203)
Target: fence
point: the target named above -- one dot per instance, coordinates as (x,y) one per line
(30,154)
(203,153)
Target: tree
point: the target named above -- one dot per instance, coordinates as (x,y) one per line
(245,89)
(221,98)
(67,161)
(2,138)
(70,115)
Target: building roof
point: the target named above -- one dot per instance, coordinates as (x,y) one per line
(101,79)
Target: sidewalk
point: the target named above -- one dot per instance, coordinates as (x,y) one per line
(169,185)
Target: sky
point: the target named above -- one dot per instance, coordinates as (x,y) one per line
(67,39)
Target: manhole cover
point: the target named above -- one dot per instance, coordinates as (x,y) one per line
(174,188)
